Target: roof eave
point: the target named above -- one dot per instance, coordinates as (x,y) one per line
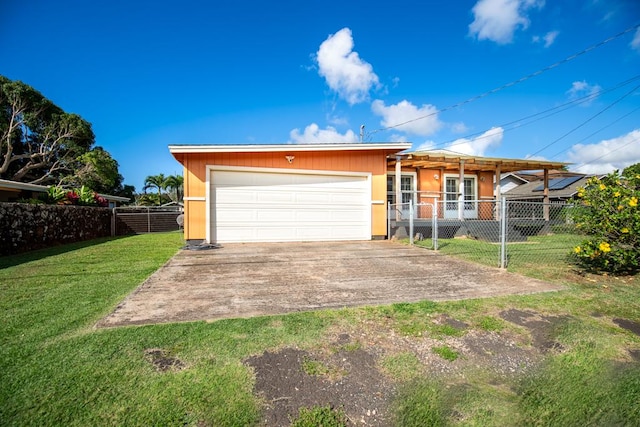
(267,148)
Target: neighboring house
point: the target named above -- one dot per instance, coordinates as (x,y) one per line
(13,191)
(561,189)
(511,180)
(268,193)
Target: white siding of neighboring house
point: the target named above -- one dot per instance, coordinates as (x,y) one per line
(508,183)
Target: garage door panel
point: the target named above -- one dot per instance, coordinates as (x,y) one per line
(283,206)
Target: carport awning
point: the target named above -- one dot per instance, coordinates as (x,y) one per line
(451,160)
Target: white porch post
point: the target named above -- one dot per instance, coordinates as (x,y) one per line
(398,185)
(461,192)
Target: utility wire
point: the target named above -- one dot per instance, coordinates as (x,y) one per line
(596,132)
(606,154)
(518,123)
(585,122)
(515,82)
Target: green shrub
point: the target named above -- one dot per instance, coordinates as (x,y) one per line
(609,215)
(54,195)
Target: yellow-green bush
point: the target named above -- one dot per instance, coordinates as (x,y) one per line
(608,213)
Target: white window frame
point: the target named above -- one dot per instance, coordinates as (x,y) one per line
(391,195)
(473,212)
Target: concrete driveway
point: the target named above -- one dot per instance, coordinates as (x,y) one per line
(253,279)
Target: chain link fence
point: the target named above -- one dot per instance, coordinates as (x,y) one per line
(509,234)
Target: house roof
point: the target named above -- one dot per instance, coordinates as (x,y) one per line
(266,148)
(451,160)
(559,188)
(514,175)
(5,184)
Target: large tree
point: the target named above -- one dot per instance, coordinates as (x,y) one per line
(96,169)
(39,142)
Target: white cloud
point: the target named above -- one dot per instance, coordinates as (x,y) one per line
(427,145)
(581,89)
(459,127)
(399,138)
(607,155)
(474,147)
(343,69)
(497,20)
(427,121)
(548,38)
(635,43)
(313,134)
(480,144)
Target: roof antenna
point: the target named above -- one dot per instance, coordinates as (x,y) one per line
(361,132)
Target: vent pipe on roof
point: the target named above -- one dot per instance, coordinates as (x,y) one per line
(361,132)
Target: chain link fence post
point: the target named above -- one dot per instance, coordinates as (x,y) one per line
(411,213)
(503,232)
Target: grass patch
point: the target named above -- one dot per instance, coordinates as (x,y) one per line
(324,416)
(402,367)
(314,367)
(420,404)
(490,324)
(578,389)
(446,352)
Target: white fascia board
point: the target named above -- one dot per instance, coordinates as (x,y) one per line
(399,146)
(22,186)
(115,198)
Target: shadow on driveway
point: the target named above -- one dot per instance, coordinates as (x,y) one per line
(253,279)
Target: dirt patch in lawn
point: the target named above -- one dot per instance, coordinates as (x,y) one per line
(350,372)
(162,360)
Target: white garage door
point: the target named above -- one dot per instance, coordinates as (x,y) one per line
(277,206)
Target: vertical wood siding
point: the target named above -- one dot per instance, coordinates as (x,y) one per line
(195,177)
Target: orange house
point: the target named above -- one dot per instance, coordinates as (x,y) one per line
(276,193)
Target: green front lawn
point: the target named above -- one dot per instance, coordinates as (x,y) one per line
(57,369)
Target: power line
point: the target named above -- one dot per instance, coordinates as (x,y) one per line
(596,132)
(518,123)
(606,154)
(515,82)
(585,122)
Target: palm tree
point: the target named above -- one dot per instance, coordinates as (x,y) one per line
(159,182)
(175,183)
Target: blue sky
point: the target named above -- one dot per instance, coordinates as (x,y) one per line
(150,74)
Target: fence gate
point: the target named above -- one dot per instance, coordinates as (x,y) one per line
(145,219)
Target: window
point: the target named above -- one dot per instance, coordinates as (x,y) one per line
(470,206)
(407,186)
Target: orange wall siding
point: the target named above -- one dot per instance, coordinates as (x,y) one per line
(195,165)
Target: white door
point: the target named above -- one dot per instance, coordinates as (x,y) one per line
(285,206)
(452,205)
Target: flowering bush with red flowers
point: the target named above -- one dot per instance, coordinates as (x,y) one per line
(82,196)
